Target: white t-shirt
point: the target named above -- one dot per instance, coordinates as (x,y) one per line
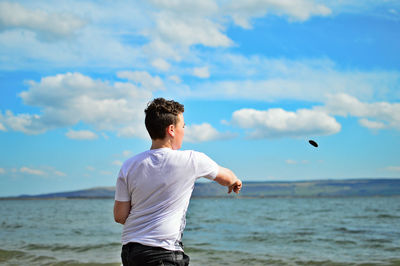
(159,184)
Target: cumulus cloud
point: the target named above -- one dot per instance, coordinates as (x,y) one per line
(117,162)
(165,30)
(126,153)
(142,78)
(183,23)
(187,31)
(161,64)
(393,168)
(2,127)
(26,123)
(371,124)
(175,79)
(174,34)
(81,135)
(290,161)
(375,115)
(204,132)
(2,171)
(205,7)
(67,99)
(299,10)
(61,41)
(260,78)
(59,173)
(277,123)
(31,171)
(90,168)
(47,26)
(201,72)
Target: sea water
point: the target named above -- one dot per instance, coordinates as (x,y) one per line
(219,231)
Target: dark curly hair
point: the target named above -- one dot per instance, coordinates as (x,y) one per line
(161,113)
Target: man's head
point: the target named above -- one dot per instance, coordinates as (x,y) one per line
(160,114)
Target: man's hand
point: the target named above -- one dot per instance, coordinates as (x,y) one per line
(235,187)
(227,178)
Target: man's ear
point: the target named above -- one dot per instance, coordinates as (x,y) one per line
(171,130)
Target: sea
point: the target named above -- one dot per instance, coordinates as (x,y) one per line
(219,231)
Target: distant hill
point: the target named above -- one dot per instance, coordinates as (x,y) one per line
(318,188)
(315,188)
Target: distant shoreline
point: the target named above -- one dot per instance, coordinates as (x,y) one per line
(258,189)
(211,197)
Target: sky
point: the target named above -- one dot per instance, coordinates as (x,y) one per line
(258,79)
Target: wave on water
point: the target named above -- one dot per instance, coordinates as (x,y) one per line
(16,257)
(58,247)
(350,231)
(5,225)
(387,216)
(210,257)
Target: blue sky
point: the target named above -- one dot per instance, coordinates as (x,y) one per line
(258,80)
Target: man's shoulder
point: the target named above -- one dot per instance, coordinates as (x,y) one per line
(191,154)
(136,158)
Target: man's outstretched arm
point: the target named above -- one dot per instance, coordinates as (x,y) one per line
(227,178)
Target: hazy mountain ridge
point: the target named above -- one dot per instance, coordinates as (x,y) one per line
(315,188)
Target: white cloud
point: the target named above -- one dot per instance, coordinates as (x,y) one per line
(299,10)
(384,114)
(204,132)
(31,171)
(59,173)
(99,43)
(117,162)
(182,24)
(2,171)
(290,161)
(371,124)
(201,72)
(104,135)
(277,123)
(133,131)
(187,31)
(175,79)
(81,135)
(142,78)
(90,168)
(260,78)
(393,168)
(27,123)
(205,7)
(2,127)
(67,99)
(126,153)
(90,34)
(47,26)
(161,64)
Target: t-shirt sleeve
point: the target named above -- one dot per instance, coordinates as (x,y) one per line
(206,167)
(121,189)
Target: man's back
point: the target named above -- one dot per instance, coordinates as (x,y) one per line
(159,184)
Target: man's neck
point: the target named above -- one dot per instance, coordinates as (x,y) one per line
(160,143)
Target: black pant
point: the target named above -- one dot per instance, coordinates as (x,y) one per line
(135,254)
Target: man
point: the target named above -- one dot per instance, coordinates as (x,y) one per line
(154,188)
